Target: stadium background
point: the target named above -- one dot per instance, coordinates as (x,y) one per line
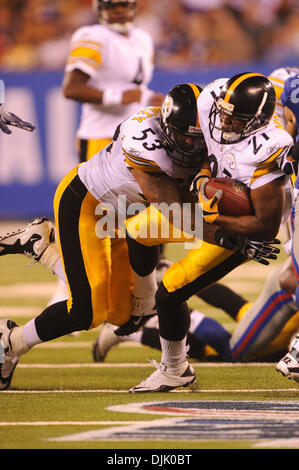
(196,41)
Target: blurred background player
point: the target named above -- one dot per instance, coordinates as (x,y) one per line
(278,78)
(207,340)
(108,70)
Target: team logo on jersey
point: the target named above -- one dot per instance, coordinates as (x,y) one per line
(167,107)
(231,161)
(134,152)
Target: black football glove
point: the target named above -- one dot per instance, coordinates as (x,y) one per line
(10,119)
(255,250)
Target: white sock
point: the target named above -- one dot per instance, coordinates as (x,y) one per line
(145,286)
(22,338)
(59,271)
(173,353)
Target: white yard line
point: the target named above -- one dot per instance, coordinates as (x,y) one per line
(28,289)
(258,390)
(67,423)
(109,365)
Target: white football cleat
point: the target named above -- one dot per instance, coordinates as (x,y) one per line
(104,342)
(32,240)
(8,360)
(162,381)
(288,365)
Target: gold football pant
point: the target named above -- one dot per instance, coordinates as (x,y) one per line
(88,148)
(204,264)
(97,270)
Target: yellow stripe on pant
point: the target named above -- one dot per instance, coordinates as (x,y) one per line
(106,261)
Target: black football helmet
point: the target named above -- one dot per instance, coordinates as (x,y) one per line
(102,8)
(246,103)
(182,136)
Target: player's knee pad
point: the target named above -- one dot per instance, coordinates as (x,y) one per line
(174,316)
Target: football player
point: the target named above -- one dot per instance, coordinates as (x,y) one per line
(109,67)
(276,307)
(108,70)
(207,340)
(245,142)
(289,364)
(138,167)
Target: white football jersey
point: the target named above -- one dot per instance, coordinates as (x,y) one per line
(278,77)
(253,160)
(136,144)
(115,62)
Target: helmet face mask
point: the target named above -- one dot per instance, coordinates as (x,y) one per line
(245,105)
(118,19)
(182,136)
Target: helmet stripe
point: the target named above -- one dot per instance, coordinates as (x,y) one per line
(238,81)
(196,92)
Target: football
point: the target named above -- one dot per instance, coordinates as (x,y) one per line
(235,200)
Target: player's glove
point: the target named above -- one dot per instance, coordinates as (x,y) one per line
(135,323)
(10,119)
(290,167)
(255,250)
(196,183)
(209,207)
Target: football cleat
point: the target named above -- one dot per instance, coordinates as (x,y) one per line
(143,310)
(162,381)
(288,365)
(104,342)
(8,360)
(32,240)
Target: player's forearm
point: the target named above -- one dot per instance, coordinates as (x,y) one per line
(250,226)
(83,93)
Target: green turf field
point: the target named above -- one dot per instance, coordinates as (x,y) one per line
(61,399)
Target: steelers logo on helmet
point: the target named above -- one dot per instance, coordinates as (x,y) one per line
(167,107)
(116,14)
(182,136)
(246,104)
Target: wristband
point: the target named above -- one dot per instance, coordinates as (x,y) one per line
(112,97)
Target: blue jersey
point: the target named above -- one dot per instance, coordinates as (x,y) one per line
(290,96)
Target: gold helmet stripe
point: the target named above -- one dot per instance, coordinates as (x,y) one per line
(196,92)
(238,81)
